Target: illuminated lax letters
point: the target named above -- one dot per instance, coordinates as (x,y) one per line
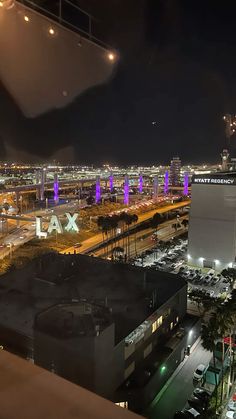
(39,232)
(72,226)
(55,224)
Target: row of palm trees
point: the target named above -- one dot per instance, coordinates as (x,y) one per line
(109,226)
(218,322)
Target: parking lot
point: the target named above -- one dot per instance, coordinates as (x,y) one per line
(172,256)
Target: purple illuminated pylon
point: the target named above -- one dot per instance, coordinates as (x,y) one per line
(111,182)
(56,188)
(186,184)
(126,190)
(166,183)
(140,183)
(155,187)
(98,190)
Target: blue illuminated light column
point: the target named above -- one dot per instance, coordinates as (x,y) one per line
(166,183)
(111,182)
(56,188)
(186,184)
(98,190)
(155,188)
(126,190)
(140,183)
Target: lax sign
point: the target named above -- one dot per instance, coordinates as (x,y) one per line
(55,224)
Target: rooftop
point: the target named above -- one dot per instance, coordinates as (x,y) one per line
(131,293)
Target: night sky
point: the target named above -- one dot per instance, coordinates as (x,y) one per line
(177,67)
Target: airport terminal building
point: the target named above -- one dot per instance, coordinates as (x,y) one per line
(212,224)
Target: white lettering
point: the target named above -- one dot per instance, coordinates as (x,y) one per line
(55,224)
(71,226)
(216,181)
(39,232)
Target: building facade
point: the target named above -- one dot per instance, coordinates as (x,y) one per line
(212,224)
(175,168)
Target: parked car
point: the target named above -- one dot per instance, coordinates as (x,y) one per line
(231,414)
(198,404)
(201,393)
(231,405)
(199,372)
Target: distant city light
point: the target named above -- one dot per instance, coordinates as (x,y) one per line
(26,18)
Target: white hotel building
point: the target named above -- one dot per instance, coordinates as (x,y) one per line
(212,225)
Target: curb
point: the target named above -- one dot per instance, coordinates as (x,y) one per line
(164,388)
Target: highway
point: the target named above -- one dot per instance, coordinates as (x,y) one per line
(97,239)
(142,240)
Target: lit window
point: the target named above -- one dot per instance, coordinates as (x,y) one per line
(123,404)
(157,323)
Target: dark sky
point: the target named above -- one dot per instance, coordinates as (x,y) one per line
(177,67)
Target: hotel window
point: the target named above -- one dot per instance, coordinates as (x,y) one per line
(147,350)
(129,370)
(157,323)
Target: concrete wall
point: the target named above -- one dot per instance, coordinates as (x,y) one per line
(212,226)
(87,361)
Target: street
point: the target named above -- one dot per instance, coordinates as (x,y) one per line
(180,389)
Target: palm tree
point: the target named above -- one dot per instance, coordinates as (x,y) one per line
(210,336)
(185,223)
(156,220)
(135,220)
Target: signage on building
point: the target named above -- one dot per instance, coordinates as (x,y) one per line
(55,225)
(214,180)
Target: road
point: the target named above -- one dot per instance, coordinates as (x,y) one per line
(180,388)
(97,238)
(143,240)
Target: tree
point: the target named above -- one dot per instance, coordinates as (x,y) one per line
(210,336)
(185,223)
(156,221)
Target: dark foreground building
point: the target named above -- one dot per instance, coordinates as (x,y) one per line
(115,329)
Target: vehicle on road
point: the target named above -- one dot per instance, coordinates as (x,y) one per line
(230,414)
(199,372)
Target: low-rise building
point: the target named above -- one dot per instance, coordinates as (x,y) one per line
(115,329)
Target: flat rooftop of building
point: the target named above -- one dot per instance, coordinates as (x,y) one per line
(30,392)
(127,290)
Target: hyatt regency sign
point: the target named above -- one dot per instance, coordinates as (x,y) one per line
(214,181)
(55,225)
